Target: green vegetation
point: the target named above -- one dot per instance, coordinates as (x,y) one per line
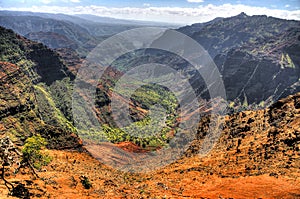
(138,133)
(39,95)
(32,154)
(146,130)
(149,131)
(14,50)
(61,93)
(151,94)
(48,109)
(245,103)
(286,61)
(11,48)
(85,182)
(290,61)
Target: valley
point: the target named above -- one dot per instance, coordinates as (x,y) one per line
(256,155)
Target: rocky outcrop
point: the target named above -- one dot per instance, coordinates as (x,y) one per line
(16,91)
(256,142)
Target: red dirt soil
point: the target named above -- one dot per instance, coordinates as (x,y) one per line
(256,156)
(61,180)
(130,147)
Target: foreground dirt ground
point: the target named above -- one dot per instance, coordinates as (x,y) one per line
(61,179)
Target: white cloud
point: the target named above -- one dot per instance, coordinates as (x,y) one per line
(146,4)
(75,1)
(46,1)
(168,14)
(287,6)
(195,1)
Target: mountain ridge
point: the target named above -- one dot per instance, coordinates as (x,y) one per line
(240,43)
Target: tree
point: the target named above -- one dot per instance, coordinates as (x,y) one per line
(9,157)
(31,157)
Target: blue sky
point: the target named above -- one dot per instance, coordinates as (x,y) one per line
(286,4)
(179,11)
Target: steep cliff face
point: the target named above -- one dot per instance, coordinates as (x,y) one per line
(262,69)
(27,104)
(16,90)
(257,56)
(221,35)
(39,62)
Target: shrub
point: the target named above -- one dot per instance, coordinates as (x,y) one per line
(85,182)
(32,154)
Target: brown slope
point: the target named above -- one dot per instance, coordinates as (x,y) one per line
(257,156)
(258,142)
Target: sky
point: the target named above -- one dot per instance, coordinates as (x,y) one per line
(172,11)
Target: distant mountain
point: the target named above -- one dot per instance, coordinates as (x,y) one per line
(25,25)
(95,25)
(87,18)
(59,30)
(78,32)
(52,40)
(83,32)
(61,17)
(191,29)
(223,34)
(110,20)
